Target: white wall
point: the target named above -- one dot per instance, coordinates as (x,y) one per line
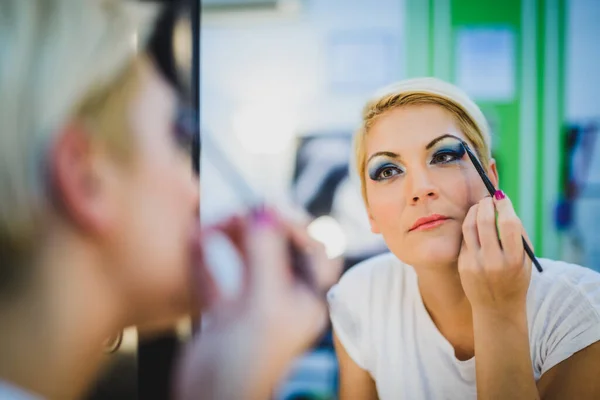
(274,75)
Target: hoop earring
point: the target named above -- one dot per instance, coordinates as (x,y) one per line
(113,343)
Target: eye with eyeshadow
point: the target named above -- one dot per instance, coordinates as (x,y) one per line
(448,153)
(445,150)
(184,128)
(381,170)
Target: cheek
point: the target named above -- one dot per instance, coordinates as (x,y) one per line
(161,219)
(386,203)
(163,200)
(175,197)
(167,172)
(461,187)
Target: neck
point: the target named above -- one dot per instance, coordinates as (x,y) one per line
(441,289)
(448,306)
(51,342)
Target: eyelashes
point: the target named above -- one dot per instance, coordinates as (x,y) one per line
(185,129)
(385,169)
(448,155)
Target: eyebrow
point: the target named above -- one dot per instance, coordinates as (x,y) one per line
(427,147)
(383,153)
(437,139)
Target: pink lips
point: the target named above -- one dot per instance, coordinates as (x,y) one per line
(429,222)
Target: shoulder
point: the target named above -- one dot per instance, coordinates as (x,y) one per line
(358,303)
(562,281)
(563,307)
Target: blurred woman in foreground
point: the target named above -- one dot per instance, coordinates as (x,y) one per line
(98,217)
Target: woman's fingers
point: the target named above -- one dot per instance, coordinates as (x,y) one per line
(469,228)
(279,257)
(527,239)
(276,247)
(268,250)
(488,236)
(510,229)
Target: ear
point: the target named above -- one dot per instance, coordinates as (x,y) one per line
(76,180)
(492,173)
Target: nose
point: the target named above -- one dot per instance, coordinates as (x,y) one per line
(420,187)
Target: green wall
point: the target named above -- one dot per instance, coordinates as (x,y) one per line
(526,129)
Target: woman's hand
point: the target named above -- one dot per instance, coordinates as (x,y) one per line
(250,340)
(495,272)
(494,268)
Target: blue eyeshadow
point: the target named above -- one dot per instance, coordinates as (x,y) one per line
(377,166)
(454,150)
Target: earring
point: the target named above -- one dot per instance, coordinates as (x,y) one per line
(113,343)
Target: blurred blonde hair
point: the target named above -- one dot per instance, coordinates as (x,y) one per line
(60,61)
(420,91)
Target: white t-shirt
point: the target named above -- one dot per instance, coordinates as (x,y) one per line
(379,317)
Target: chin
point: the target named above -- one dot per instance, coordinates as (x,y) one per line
(429,251)
(164,293)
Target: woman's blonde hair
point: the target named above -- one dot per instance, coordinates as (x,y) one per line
(60,61)
(420,91)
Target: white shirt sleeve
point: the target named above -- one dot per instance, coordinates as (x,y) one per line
(346,308)
(568,316)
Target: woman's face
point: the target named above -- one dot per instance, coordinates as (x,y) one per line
(157,198)
(412,174)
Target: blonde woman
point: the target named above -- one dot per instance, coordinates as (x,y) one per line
(98,217)
(454,311)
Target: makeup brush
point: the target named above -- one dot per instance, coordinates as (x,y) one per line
(492,190)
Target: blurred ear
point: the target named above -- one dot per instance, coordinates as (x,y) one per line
(77,183)
(492,172)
